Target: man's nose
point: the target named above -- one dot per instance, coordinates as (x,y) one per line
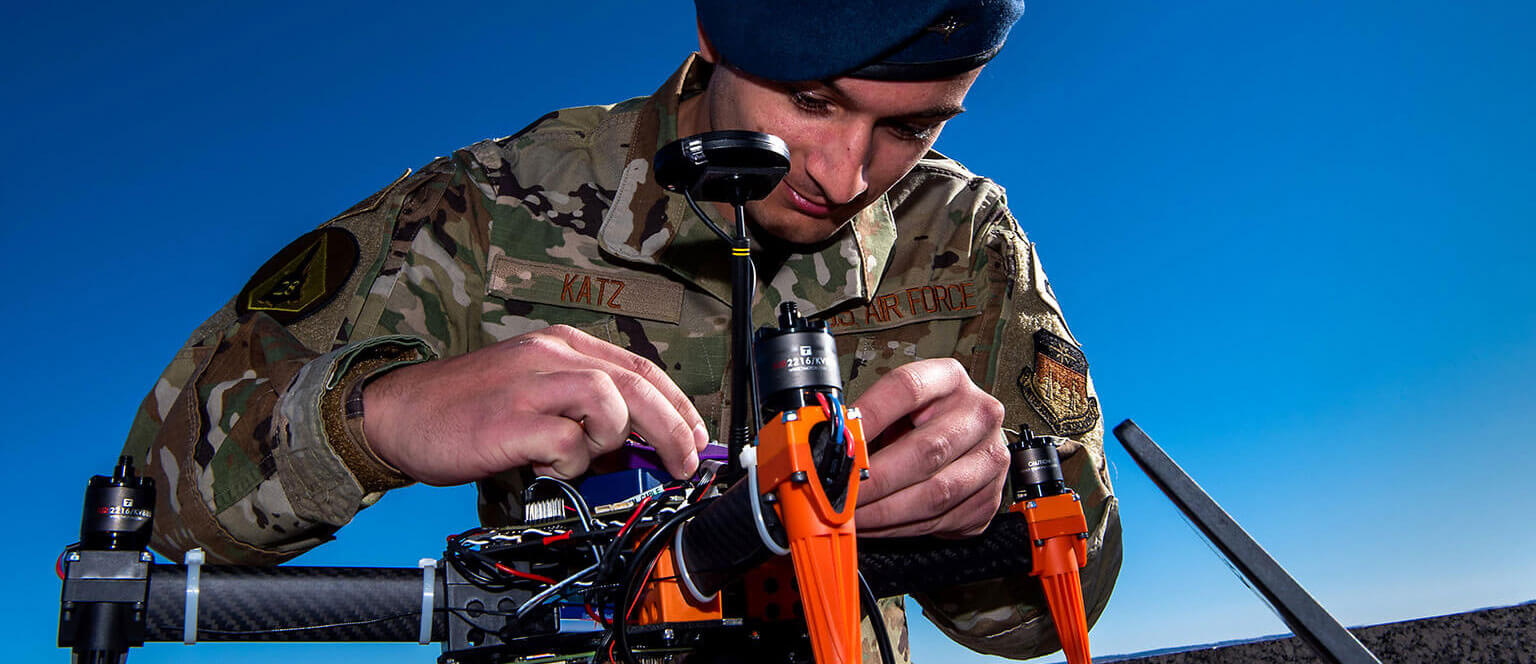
(840,164)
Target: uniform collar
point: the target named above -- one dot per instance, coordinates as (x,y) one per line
(646,224)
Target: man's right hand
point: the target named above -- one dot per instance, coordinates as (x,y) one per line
(552,399)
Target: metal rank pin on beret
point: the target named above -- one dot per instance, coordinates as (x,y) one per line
(897,40)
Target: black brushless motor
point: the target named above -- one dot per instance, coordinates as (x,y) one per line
(106,577)
(794,361)
(793,358)
(118,510)
(1035,466)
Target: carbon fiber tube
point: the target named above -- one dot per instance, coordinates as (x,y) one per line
(895,566)
(720,543)
(292,604)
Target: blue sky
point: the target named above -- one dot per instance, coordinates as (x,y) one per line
(1294,238)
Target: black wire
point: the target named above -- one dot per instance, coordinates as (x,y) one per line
(617,547)
(876,621)
(476,576)
(619,544)
(583,512)
(460,613)
(757,406)
(603,585)
(841,460)
(478,567)
(650,548)
(304,628)
(710,222)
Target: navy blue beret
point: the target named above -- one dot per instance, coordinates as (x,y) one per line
(806,40)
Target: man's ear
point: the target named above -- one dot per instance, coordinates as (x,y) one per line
(706,49)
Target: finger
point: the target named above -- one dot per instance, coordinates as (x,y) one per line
(586,396)
(655,419)
(924,452)
(956,502)
(553,445)
(651,411)
(967,519)
(906,390)
(674,396)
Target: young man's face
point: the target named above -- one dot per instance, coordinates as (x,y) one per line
(849,139)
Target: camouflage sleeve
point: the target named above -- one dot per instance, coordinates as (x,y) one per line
(1028,359)
(253,434)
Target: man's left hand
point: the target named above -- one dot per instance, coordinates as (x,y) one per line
(942,467)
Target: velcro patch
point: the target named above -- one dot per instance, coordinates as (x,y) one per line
(624,293)
(1057,386)
(954,299)
(303,277)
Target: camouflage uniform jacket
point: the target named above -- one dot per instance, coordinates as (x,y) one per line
(254,430)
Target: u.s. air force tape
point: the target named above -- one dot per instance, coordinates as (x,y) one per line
(302,278)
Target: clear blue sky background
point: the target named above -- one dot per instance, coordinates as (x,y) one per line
(1295,239)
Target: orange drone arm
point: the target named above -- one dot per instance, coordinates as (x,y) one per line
(822,536)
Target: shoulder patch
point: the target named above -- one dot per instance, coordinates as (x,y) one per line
(303,277)
(1057,386)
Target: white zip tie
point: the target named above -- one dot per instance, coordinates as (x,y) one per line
(194,561)
(428,597)
(749,462)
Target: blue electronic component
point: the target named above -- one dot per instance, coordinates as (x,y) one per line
(574,618)
(618,486)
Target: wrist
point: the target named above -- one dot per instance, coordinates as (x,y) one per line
(354,433)
(373,405)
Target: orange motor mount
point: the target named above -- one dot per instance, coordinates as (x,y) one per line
(810,459)
(817,512)
(1058,533)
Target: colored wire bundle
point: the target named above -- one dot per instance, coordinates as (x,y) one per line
(616,566)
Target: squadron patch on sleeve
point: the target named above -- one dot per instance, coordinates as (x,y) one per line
(301,278)
(1057,386)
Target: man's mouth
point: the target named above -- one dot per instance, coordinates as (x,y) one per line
(805,205)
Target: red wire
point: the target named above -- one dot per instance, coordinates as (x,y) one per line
(526,575)
(704,490)
(826,411)
(593,615)
(638,509)
(636,600)
(613,641)
(633,602)
(467,533)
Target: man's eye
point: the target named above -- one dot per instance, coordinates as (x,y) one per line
(810,103)
(914,132)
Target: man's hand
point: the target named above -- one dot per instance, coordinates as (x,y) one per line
(553,399)
(942,468)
